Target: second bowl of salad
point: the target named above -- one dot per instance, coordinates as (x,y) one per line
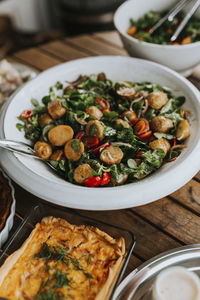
(134,20)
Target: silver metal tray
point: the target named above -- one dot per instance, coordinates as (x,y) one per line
(138,284)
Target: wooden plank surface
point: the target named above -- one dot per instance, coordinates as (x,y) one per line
(165,224)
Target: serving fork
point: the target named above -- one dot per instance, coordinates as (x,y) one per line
(172,13)
(25,149)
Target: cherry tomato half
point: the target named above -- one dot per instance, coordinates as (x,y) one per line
(139,154)
(141,127)
(145,135)
(103,103)
(80,135)
(93,181)
(105,179)
(96,150)
(26,114)
(130,116)
(90,141)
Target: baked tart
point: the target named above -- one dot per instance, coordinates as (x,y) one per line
(63,261)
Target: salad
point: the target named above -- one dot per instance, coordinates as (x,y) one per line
(141,29)
(99,133)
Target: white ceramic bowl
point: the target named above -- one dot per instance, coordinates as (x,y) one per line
(37,178)
(9,222)
(180,58)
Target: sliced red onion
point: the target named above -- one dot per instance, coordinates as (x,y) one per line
(146,105)
(135,101)
(178,146)
(78,120)
(121,144)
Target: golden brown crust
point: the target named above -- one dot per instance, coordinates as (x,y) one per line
(81,236)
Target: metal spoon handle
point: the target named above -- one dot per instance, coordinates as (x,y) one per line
(18,147)
(169,16)
(185,20)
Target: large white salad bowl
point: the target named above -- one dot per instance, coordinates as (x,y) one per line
(38,179)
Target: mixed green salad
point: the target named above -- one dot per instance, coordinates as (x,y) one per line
(99,133)
(141,29)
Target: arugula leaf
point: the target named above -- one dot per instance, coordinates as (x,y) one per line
(154,158)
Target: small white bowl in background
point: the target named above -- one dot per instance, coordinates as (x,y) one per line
(180,58)
(9,222)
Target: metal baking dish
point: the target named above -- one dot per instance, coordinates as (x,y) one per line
(138,285)
(38,212)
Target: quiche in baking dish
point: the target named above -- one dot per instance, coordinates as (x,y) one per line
(63,261)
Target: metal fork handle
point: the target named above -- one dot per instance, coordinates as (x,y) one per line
(171,14)
(176,10)
(18,147)
(185,20)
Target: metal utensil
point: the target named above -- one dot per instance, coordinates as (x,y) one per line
(170,15)
(27,150)
(185,20)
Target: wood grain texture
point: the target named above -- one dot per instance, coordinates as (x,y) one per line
(111,37)
(63,51)
(189,195)
(37,59)
(95,46)
(173,219)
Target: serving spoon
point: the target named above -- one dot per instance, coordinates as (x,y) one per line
(27,150)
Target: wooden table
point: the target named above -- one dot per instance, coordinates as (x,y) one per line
(165,224)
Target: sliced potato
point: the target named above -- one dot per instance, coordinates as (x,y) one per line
(57,155)
(161,143)
(126,92)
(82,173)
(111,155)
(183,130)
(43,150)
(95,128)
(55,109)
(45,119)
(161,124)
(94,112)
(119,122)
(60,134)
(74,149)
(157,99)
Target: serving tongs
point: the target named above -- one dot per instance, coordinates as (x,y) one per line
(172,13)
(25,149)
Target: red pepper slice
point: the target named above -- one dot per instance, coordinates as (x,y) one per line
(105,179)
(139,154)
(93,181)
(148,30)
(145,135)
(141,127)
(130,115)
(96,150)
(173,159)
(90,141)
(174,142)
(26,114)
(103,103)
(80,135)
